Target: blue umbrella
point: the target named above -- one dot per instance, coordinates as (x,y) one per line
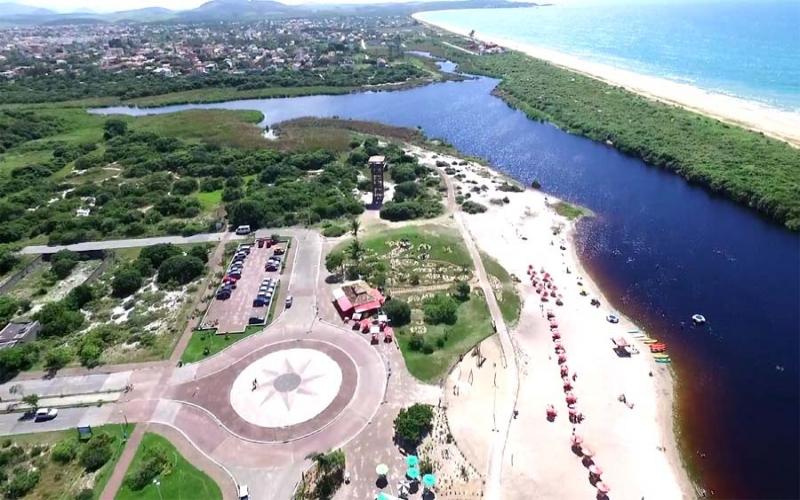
(429,480)
(412,473)
(412,460)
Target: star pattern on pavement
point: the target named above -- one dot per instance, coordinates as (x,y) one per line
(297,382)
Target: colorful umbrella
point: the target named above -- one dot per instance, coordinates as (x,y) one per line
(412,461)
(602,487)
(596,470)
(587,452)
(412,473)
(576,439)
(429,480)
(382,469)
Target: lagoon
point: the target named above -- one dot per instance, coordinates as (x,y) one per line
(661,248)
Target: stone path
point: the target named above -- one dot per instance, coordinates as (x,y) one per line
(118,476)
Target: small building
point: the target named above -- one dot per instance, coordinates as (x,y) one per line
(358,298)
(18,332)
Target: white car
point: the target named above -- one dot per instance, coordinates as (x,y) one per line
(43,414)
(243,492)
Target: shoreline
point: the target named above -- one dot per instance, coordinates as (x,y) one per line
(773,122)
(632,455)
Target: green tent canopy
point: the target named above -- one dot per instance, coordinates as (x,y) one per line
(412,461)
(429,480)
(412,473)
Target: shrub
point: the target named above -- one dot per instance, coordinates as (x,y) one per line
(7,261)
(63,262)
(153,464)
(403,210)
(65,451)
(96,452)
(333,231)
(472,207)
(199,251)
(57,358)
(85,494)
(90,353)
(402,173)
(462,291)
(79,296)
(184,186)
(155,255)
(416,343)
(180,269)
(57,320)
(127,280)
(413,424)
(21,483)
(398,311)
(440,309)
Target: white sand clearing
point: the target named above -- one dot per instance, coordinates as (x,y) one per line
(779,124)
(635,447)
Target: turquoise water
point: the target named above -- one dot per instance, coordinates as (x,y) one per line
(749,49)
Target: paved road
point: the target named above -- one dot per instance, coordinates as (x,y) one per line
(130,243)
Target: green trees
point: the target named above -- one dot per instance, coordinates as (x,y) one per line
(334,262)
(403,173)
(398,311)
(126,281)
(413,424)
(65,451)
(63,262)
(155,461)
(31,400)
(462,291)
(113,128)
(440,309)
(58,320)
(57,358)
(331,467)
(96,452)
(185,185)
(8,308)
(180,269)
(7,261)
(21,483)
(154,256)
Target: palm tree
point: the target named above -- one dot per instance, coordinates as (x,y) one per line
(355,225)
(355,249)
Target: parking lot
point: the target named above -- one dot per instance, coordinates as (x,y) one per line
(234,313)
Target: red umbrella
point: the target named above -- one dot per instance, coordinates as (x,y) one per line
(562,358)
(556,334)
(596,470)
(587,452)
(551,410)
(567,385)
(550,314)
(602,487)
(576,439)
(573,411)
(571,399)
(564,369)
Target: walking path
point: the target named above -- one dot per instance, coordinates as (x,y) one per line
(88,246)
(118,476)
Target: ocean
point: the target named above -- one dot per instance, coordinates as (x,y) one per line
(748,49)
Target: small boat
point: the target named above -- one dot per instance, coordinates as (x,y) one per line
(611,318)
(663,360)
(698,319)
(660,348)
(661,355)
(650,341)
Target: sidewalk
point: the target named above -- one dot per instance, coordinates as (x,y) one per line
(118,476)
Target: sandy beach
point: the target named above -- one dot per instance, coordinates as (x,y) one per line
(634,444)
(780,124)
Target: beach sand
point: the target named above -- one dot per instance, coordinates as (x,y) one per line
(635,447)
(776,123)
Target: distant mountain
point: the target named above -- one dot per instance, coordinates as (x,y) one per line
(236,10)
(222,10)
(10,9)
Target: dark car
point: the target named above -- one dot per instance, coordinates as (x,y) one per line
(223,294)
(279,251)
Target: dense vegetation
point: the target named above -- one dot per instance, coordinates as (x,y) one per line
(17,127)
(748,167)
(132,84)
(412,424)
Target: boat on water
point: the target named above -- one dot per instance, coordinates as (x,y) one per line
(650,341)
(661,355)
(612,318)
(663,360)
(698,319)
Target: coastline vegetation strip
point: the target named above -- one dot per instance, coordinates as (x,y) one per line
(746,166)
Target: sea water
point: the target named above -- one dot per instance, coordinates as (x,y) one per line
(745,48)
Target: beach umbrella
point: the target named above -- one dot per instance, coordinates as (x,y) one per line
(382,496)
(573,411)
(564,369)
(602,487)
(576,439)
(551,410)
(596,470)
(587,452)
(412,473)
(429,480)
(412,461)
(571,398)
(382,469)
(562,358)
(567,385)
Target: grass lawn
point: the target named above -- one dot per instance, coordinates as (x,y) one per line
(229,94)
(569,211)
(445,243)
(473,325)
(209,200)
(181,480)
(63,481)
(506,295)
(215,343)
(217,126)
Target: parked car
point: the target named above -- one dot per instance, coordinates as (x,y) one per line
(289,301)
(279,251)
(259,301)
(43,414)
(223,295)
(243,492)
(243,229)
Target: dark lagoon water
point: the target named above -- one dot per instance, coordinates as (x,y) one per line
(661,249)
